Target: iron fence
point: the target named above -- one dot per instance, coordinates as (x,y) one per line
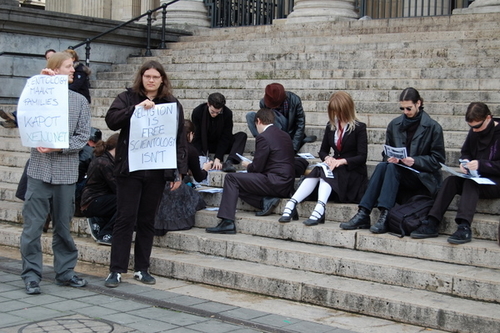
(235,13)
(379,9)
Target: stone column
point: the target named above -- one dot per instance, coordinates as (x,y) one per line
(480,7)
(124,10)
(322,10)
(97,8)
(61,6)
(187,14)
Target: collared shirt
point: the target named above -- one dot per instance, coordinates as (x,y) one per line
(62,167)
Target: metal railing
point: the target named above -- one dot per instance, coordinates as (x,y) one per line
(236,13)
(379,9)
(149,14)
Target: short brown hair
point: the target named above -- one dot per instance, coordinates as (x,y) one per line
(265,115)
(477,111)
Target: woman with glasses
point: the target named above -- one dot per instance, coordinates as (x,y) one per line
(139,192)
(396,178)
(346,137)
(480,154)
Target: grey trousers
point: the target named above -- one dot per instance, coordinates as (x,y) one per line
(42,199)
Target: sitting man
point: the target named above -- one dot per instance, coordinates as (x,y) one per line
(482,149)
(423,139)
(213,123)
(270,175)
(289,114)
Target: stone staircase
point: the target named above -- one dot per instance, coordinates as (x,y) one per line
(452,61)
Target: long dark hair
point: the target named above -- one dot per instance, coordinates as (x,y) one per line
(165,88)
(411,94)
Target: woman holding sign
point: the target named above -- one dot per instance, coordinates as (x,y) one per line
(151,154)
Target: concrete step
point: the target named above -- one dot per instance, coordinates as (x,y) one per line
(416,273)
(403,304)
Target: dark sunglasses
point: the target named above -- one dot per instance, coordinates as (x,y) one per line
(478,125)
(408,108)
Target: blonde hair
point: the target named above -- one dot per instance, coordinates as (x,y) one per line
(57,59)
(341,108)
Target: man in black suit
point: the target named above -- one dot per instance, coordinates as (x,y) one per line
(269,176)
(213,122)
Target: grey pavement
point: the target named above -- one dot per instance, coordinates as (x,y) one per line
(128,308)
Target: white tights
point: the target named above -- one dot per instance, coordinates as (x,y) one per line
(308,185)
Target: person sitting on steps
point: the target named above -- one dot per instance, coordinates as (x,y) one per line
(423,139)
(482,149)
(270,175)
(289,114)
(347,137)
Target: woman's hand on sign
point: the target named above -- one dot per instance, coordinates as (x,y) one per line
(147,104)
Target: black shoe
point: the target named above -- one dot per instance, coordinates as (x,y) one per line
(310,138)
(104,240)
(113,280)
(381,226)
(462,235)
(359,221)
(93,227)
(268,204)
(228,166)
(320,218)
(74,282)
(32,288)
(224,227)
(427,229)
(291,213)
(144,277)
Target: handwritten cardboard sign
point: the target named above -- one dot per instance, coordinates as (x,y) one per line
(42,112)
(153,138)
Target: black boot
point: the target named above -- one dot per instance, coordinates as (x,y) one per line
(224,227)
(381,226)
(359,221)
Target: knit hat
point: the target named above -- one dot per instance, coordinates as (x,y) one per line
(275,95)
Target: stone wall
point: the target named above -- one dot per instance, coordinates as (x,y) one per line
(27,33)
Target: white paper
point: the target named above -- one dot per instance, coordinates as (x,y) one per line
(43,113)
(479,180)
(326,169)
(211,190)
(396,152)
(204,182)
(153,136)
(243,158)
(307,156)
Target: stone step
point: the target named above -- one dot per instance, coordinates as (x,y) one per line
(408,305)
(412,272)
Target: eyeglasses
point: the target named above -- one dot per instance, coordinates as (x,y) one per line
(477,126)
(149,77)
(408,108)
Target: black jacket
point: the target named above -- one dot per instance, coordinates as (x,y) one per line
(118,118)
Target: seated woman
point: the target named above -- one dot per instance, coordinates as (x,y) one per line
(482,151)
(98,201)
(347,137)
(178,208)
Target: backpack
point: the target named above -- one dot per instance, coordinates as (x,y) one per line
(405,218)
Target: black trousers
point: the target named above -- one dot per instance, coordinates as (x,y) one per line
(470,192)
(137,200)
(238,146)
(104,207)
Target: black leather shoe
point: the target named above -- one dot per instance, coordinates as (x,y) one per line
(359,221)
(228,166)
(268,204)
(381,226)
(224,227)
(310,138)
